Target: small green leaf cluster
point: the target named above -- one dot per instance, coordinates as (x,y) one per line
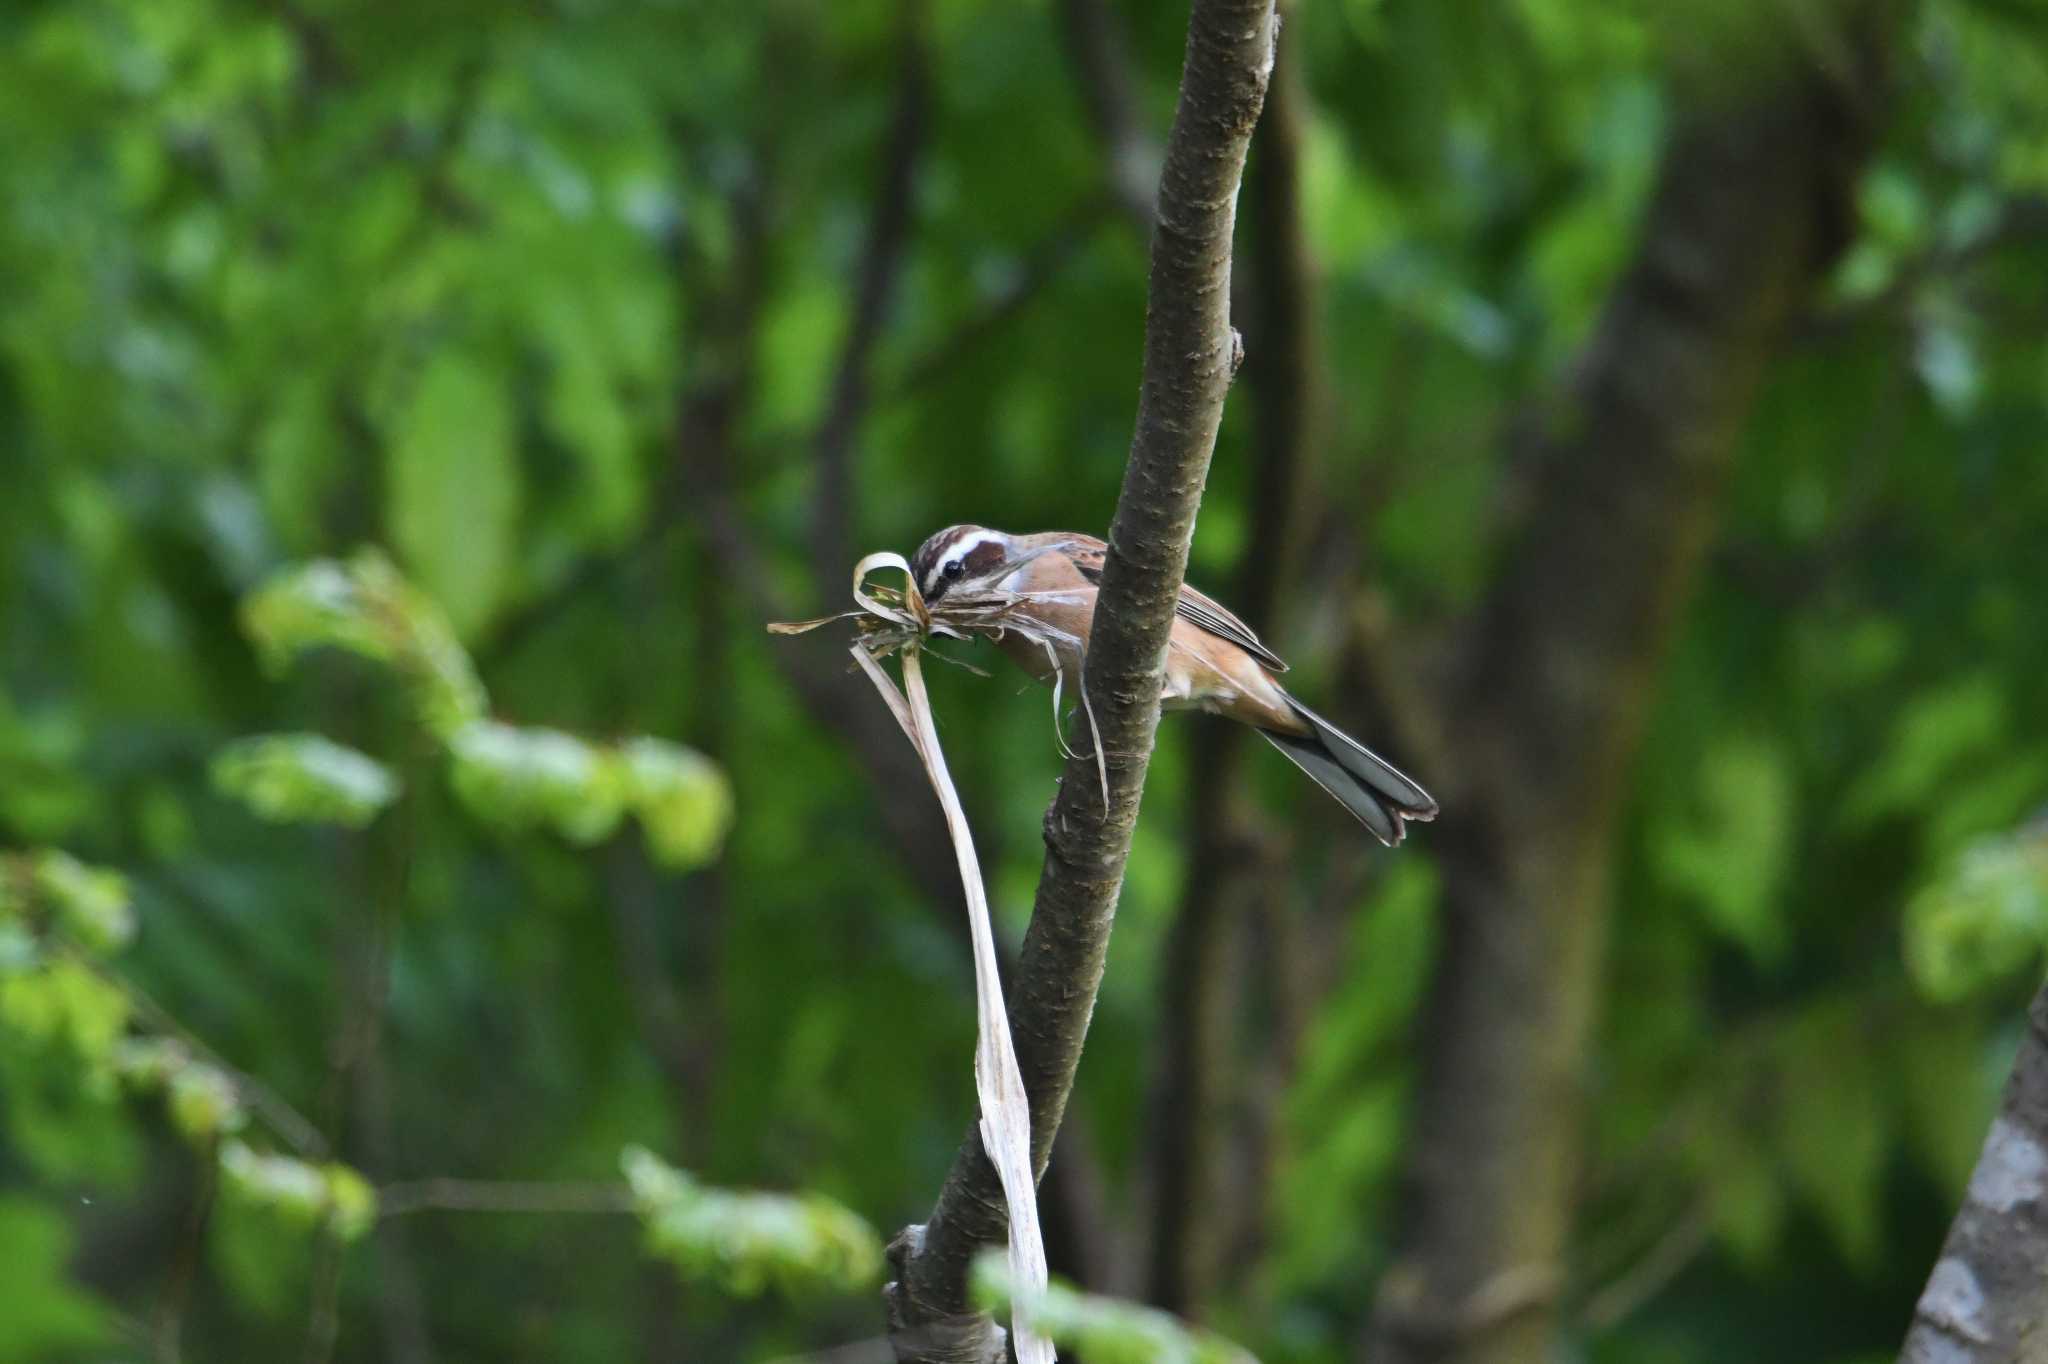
(364,606)
(1983,920)
(203,1100)
(327,1194)
(57,917)
(1105,1330)
(50,889)
(57,1007)
(510,777)
(526,778)
(304,778)
(748,1241)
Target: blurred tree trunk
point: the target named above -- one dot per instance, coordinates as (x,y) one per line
(1987,1298)
(1613,497)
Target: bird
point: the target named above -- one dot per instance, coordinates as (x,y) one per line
(1214,662)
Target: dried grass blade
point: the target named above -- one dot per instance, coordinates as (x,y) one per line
(803,627)
(998,1082)
(916,618)
(893,699)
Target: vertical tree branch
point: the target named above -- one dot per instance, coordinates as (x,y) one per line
(1987,1300)
(1283,374)
(1616,502)
(1190,353)
(401,1307)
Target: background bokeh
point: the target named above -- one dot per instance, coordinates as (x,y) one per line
(624,326)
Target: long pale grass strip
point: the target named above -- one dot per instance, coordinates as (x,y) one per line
(998,1083)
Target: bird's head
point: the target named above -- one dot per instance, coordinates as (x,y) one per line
(956,553)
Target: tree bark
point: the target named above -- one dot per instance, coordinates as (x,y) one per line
(1612,502)
(1987,1300)
(1190,354)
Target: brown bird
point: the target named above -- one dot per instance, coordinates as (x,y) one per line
(1213,660)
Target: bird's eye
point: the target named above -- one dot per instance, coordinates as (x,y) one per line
(953,568)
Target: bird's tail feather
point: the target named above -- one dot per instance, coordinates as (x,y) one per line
(1378,794)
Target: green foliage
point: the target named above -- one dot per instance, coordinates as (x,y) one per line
(684,802)
(315,1196)
(511,291)
(454,462)
(519,779)
(747,1241)
(1105,1329)
(1731,854)
(304,778)
(512,777)
(363,606)
(1983,919)
(65,1005)
(43,1314)
(203,1101)
(88,904)
(537,778)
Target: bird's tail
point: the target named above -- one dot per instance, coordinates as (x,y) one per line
(1380,795)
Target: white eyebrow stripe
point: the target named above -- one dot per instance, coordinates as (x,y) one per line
(965,546)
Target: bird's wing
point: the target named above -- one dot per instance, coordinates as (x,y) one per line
(1199,610)
(1196,608)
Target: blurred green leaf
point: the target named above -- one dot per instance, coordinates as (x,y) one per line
(365,607)
(1101,1329)
(203,1101)
(89,904)
(43,795)
(43,1314)
(684,802)
(304,778)
(1835,1126)
(300,1192)
(65,1005)
(351,1201)
(1730,852)
(1951,1080)
(748,1241)
(1933,737)
(453,489)
(519,779)
(1981,921)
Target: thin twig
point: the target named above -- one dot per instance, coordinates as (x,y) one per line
(165,1337)
(1654,1271)
(495,1195)
(282,1119)
(323,1318)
